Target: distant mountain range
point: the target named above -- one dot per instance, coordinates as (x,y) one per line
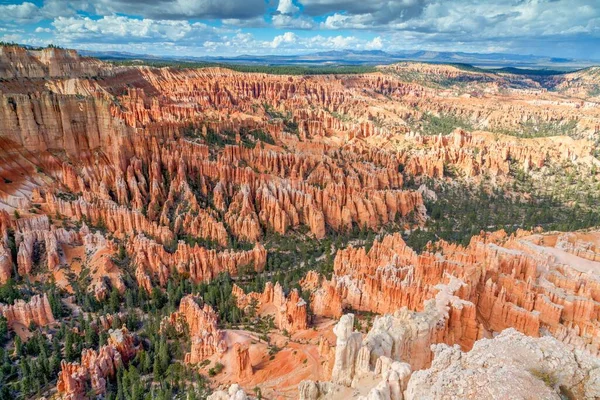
(372,57)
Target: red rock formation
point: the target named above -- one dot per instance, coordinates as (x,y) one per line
(6,264)
(290,312)
(241,362)
(18,62)
(196,262)
(142,163)
(478,153)
(95,367)
(117,219)
(201,322)
(327,353)
(326,300)
(36,311)
(99,257)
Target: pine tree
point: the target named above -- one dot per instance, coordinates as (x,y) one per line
(163,356)
(3,329)
(114,301)
(18,347)
(120,392)
(69,352)
(156,370)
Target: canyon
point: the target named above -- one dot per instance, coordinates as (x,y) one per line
(245,235)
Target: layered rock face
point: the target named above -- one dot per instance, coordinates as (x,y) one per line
(96,367)
(290,311)
(36,311)
(201,324)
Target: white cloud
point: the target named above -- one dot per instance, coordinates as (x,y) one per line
(283,21)
(257,22)
(118,29)
(375,44)
(555,27)
(464,19)
(286,38)
(28,12)
(11,38)
(25,12)
(340,21)
(287,7)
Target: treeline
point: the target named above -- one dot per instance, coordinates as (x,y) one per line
(264,69)
(34,48)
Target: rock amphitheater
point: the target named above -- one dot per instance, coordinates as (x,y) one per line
(153,181)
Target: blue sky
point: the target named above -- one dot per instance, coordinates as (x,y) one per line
(559,28)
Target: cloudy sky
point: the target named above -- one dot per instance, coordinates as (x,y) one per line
(559,28)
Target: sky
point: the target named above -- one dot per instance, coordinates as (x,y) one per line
(557,28)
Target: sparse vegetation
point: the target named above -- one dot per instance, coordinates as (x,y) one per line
(443,124)
(532,129)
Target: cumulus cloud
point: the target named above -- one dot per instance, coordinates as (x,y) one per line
(25,12)
(375,44)
(28,12)
(116,29)
(256,22)
(555,27)
(286,38)
(287,7)
(286,43)
(471,18)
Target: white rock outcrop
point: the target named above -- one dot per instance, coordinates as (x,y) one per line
(235,392)
(510,366)
(346,350)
